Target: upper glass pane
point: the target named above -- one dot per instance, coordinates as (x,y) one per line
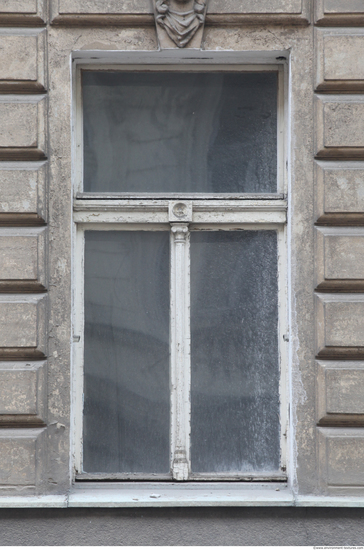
(164,132)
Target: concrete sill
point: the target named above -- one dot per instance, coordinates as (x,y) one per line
(179,494)
(46,501)
(163,495)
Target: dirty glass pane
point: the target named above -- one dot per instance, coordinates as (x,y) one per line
(235,372)
(126,407)
(180,132)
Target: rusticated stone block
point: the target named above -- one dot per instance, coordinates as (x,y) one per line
(215,6)
(18,57)
(22,61)
(339,12)
(101,12)
(340,258)
(340,132)
(22,253)
(100,6)
(73,11)
(252,6)
(340,392)
(21,6)
(22,325)
(340,60)
(19,125)
(340,325)
(340,190)
(22,127)
(22,191)
(20,456)
(342,124)
(343,6)
(23,391)
(22,12)
(341,458)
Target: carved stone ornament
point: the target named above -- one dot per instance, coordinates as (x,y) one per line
(180,22)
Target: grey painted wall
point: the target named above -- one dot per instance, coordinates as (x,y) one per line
(179,526)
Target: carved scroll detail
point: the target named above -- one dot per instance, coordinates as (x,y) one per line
(181,26)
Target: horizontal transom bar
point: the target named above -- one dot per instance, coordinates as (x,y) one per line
(252,211)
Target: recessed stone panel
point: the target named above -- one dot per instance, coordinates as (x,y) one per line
(22,253)
(20,456)
(340,325)
(341,457)
(340,392)
(339,129)
(22,325)
(22,393)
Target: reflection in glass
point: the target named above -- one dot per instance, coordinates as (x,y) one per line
(180,132)
(126,408)
(235,369)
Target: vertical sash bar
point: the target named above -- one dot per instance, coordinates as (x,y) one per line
(180,352)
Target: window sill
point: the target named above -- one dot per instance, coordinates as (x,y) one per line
(176,494)
(45,501)
(128,495)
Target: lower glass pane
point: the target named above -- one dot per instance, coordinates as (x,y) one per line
(126,387)
(234,346)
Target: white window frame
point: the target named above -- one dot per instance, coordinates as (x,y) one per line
(212,212)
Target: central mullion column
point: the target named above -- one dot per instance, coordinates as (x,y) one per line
(180,351)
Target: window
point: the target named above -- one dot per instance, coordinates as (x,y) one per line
(180,317)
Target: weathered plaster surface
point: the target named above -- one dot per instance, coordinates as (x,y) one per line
(183,527)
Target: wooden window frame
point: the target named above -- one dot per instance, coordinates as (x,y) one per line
(154,212)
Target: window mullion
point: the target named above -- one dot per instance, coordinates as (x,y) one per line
(180,351)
